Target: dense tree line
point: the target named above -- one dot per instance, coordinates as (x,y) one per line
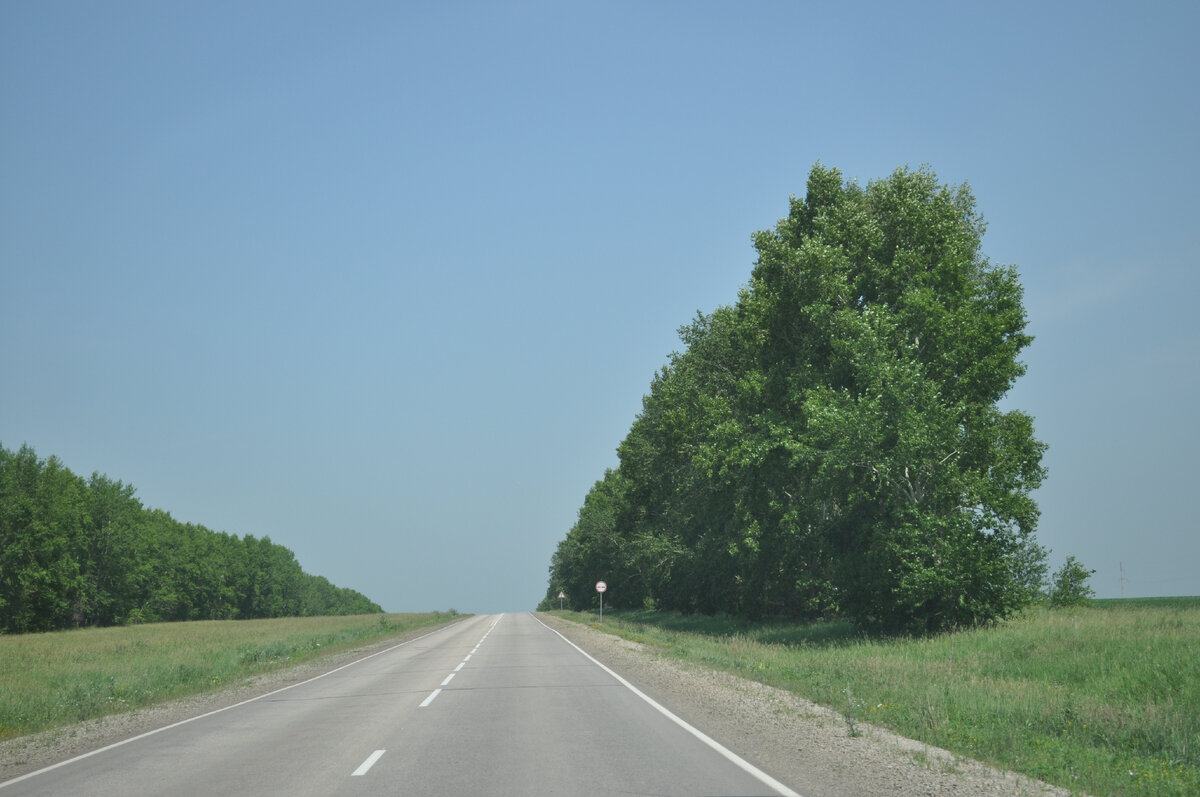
(76,552)
(832,443)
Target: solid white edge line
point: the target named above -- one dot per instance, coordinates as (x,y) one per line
(123,742)
(365,766)
(429,699)
(733,757)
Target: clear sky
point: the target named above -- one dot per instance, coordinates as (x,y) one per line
(386,282)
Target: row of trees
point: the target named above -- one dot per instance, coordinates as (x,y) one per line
(76,552)
(832,442)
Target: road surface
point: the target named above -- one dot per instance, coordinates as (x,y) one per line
(492,705)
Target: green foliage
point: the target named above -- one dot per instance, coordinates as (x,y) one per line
(1068,585)
(87,553)
(832,442)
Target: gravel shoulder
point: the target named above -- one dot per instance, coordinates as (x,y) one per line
(802,744)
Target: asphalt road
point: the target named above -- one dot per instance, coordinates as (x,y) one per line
(493,705)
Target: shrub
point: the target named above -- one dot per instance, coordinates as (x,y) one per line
(1069,587)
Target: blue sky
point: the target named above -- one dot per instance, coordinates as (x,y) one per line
(386,282)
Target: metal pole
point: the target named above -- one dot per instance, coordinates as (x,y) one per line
(602,607)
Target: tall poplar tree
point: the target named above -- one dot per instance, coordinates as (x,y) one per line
(889,341)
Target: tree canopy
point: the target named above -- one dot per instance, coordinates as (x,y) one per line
(832,442)
(76,552)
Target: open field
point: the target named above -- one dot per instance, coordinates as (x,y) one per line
(1104,700)
(55,679)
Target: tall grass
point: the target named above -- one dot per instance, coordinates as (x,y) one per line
(53,679)
(1103,699)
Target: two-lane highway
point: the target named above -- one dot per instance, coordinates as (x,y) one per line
(497,705)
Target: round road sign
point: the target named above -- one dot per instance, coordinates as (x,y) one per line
(601,586)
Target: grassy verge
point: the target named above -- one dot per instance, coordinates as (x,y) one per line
(54,679)
(1104,700)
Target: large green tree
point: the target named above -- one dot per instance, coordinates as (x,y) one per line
(907,337)
(833,441)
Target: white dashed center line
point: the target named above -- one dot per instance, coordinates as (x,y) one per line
(438,691)
(365,766)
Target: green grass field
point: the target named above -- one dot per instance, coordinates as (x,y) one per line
(59,678)
(1104,700)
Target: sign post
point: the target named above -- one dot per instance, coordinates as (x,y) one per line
(601,587)
(560,599)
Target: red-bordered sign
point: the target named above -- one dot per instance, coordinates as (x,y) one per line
(601,586)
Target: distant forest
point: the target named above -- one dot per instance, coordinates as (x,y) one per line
(85,552)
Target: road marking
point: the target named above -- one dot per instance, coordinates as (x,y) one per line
(461,664)
(733,757)
(366,765)
(123,742)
